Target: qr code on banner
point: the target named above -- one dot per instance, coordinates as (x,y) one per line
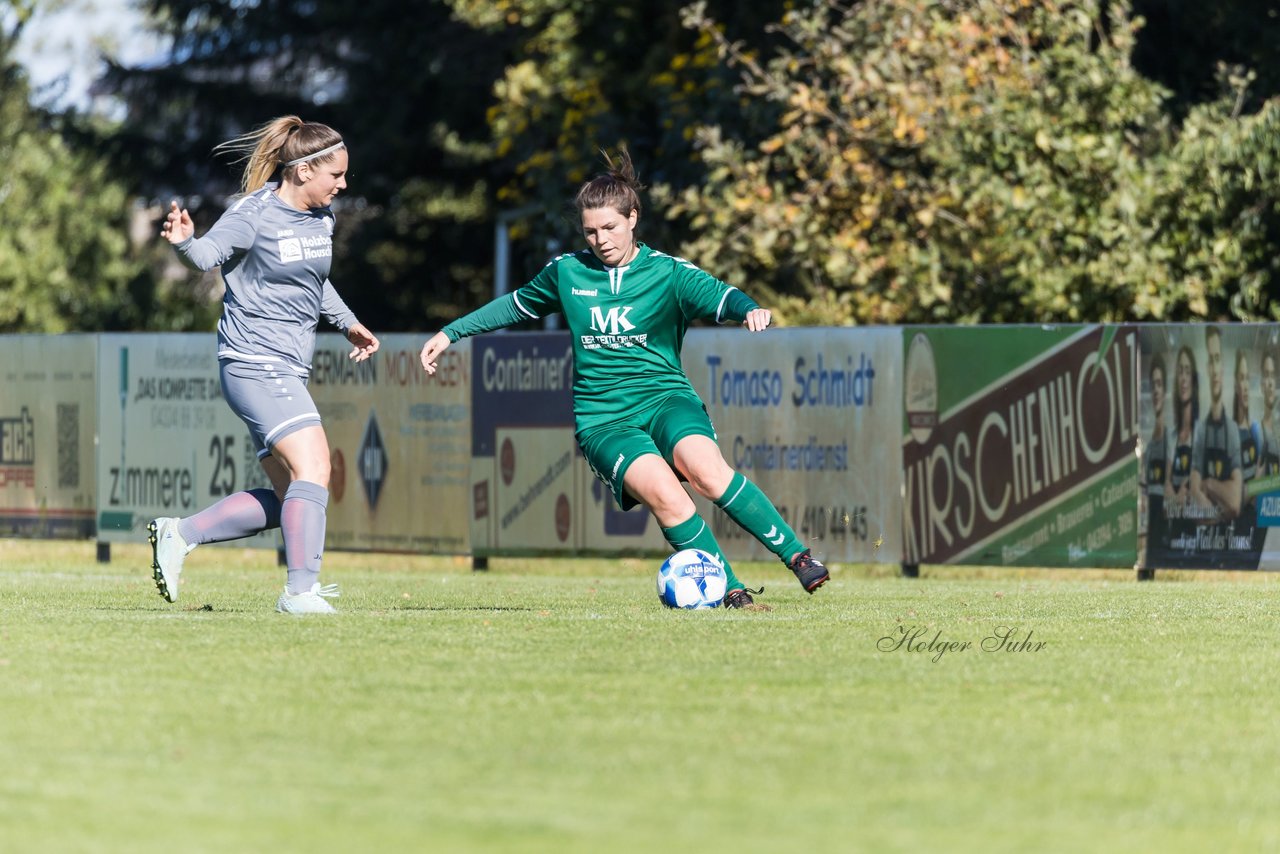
(68,445)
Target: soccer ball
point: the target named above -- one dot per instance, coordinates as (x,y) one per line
(691,579)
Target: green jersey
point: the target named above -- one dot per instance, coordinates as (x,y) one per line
(628,325)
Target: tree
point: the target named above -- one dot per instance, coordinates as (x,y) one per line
(1183,43)
(65,259)
(997,160)
(1219,211)
(1001,160)
(586,77)
(404,82)
(917,162)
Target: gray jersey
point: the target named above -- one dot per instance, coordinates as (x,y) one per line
(1268,451)
(1155,464)
(1215,448)
(275,262)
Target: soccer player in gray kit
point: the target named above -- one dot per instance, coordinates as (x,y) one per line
(274,245)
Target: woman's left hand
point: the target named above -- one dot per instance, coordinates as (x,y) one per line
(758,319)
(366,343)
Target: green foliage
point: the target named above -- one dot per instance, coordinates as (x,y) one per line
(992,160)
(998,161)
(405,83)
(587,77)
(922,164)
(65,259)
(1220,212)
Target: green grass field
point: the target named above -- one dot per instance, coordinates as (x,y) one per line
(556,706)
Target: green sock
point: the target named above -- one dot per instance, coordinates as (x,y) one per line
(694,533)
(744,503)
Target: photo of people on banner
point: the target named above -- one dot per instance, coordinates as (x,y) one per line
(1209,458)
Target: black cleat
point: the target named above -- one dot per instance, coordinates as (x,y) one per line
(740,598)
(810,571)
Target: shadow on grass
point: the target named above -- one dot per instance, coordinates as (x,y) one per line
(184,609)
(198,609)
(464,608)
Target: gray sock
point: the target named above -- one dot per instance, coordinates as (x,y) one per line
(302,518)
(239,515)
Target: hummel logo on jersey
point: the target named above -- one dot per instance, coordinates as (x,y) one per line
(578,293)
(613,323)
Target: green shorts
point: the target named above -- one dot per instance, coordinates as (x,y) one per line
(611,449)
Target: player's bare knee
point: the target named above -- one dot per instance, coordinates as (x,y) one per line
(709,478)
(671,506)
(704,486)
(313,469)
(320,472)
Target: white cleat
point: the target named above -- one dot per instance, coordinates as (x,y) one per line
(168,551)
(309,602)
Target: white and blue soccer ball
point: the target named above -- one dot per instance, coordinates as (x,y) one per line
(691,579)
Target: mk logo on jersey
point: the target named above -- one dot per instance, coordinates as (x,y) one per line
(613,323)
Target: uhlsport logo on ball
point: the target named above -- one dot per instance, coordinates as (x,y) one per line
(691,579)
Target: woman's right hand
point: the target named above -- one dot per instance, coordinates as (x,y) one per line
(177,225)
(432,350)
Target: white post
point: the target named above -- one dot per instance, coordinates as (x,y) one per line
(502,254)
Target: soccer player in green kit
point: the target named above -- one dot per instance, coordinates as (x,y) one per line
(640,424)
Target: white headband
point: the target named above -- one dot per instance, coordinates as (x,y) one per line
(319,153)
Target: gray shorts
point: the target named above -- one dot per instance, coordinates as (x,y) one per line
(269,398)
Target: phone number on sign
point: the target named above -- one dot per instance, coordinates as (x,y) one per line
(810,521)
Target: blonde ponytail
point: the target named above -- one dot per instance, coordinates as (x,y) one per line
(274,145)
